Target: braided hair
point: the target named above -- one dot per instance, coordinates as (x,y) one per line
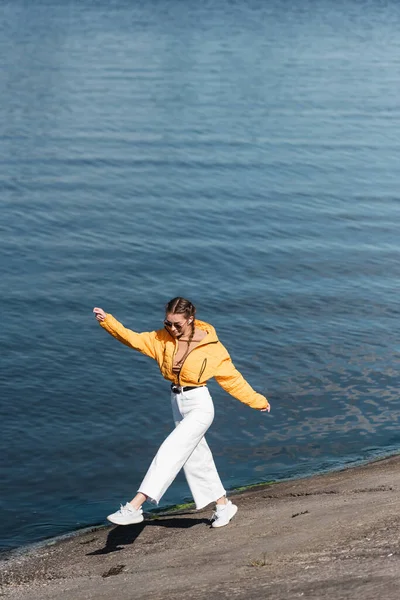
(182,306)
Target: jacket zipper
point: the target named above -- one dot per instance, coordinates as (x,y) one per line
(202,371)
(173,356)
(203,368)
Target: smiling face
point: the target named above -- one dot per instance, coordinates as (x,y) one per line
(178,325)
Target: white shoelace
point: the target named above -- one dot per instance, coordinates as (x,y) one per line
(128,508)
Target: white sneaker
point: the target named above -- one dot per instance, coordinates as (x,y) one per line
(223,514)
(126,515)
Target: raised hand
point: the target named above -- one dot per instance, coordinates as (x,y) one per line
(99,313)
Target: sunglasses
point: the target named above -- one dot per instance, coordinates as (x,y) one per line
(177,326)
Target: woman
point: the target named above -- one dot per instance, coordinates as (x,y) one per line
(188,353)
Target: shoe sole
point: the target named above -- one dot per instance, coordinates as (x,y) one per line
(235,509)
(135,522)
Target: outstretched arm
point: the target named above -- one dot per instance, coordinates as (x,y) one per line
(142,342)
(235,384)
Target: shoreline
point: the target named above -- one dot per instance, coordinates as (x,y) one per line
(332,535)
(172,509)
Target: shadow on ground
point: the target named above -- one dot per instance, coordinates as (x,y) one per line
(124,535)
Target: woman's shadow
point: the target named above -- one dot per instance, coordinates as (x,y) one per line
(123,535)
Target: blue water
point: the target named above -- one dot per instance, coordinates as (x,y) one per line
(242,154)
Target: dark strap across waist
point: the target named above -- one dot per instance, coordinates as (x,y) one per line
(177,389)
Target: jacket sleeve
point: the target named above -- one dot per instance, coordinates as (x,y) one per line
(235,384)
(142,342)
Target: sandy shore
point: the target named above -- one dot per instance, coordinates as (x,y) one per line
(330,536)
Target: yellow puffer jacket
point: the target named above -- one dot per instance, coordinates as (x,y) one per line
(208,359)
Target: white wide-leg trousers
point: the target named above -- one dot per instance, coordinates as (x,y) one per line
(186,447)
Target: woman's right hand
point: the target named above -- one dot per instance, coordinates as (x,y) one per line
(99,313)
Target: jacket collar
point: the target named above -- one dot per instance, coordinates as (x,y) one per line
(211,336)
